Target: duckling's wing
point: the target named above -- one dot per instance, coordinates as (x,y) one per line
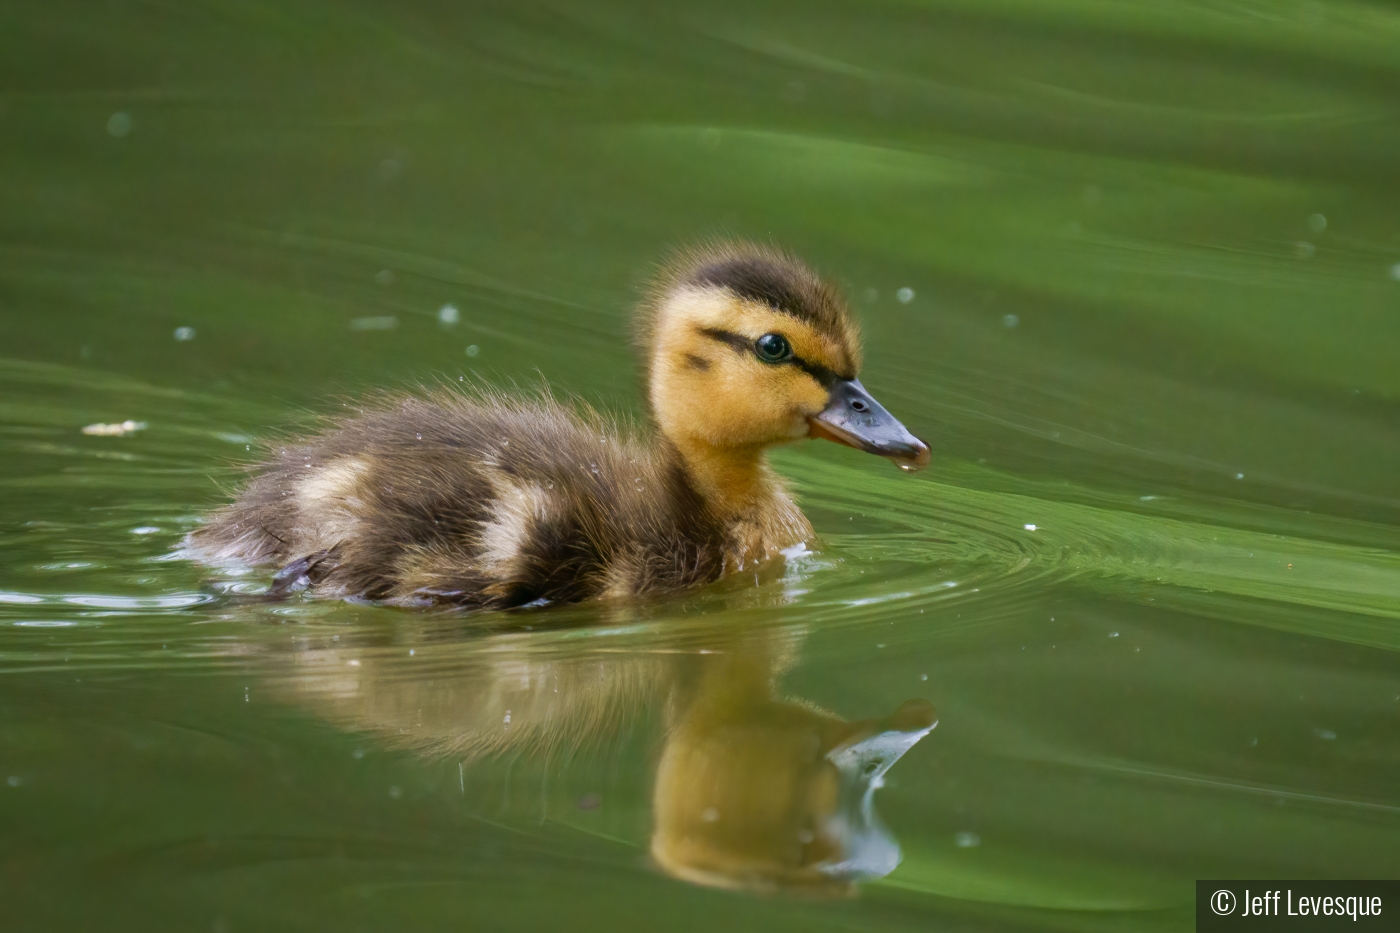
(482,501)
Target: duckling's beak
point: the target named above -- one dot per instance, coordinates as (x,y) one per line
(855,419)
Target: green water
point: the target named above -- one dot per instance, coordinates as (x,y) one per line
(1152,253)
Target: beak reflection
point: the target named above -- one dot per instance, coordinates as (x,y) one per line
(855,419)
(778,796)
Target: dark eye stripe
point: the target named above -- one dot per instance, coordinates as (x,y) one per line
(741,344)
(738,341)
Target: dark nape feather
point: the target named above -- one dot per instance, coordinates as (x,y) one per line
(758,280)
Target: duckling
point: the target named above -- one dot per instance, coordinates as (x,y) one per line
(484,500)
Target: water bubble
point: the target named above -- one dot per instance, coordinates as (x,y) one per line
(145,530)
(1239,476)
(449,315)
(905,295)
(1029,527)
(473,350)
(1112,634)
(507,719)
(1010,320)
(966,840)
(923,676)
(1303,249)
(1317,223)
(384,276)
(119,124)
(184,334)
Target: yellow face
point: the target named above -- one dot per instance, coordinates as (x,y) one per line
(727,372)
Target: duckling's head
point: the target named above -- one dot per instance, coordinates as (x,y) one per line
(748,347)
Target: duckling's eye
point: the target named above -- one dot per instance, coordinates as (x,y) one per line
(773,348)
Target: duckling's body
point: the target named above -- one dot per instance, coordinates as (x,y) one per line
(487,501)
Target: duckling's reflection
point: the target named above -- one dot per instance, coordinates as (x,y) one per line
(753,791)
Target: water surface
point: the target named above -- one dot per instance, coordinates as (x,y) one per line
(1132,268)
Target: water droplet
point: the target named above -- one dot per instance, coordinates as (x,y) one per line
(120,124)
(419,436)
(396,792)
(184,334)
(358,753)
(1010,320)
(709,815)
(1110,634)
(449,315)
(473,350)
(13,780)
(905,295)
(966,840)
(1030,527)
(1317,223)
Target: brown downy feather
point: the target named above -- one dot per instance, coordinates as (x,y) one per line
(479,500)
